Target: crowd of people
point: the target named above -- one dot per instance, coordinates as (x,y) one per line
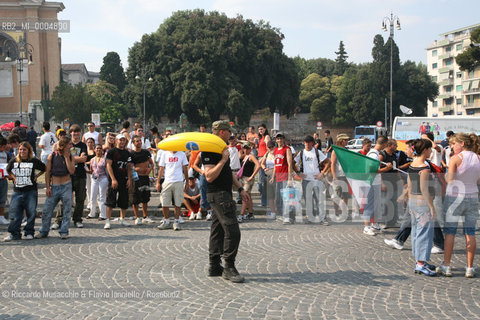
(116,171)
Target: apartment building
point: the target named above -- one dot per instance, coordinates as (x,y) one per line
(459,91)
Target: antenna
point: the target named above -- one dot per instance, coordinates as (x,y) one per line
(405,110)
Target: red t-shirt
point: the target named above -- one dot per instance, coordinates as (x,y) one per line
(262,147)
(363,152)
(281,164)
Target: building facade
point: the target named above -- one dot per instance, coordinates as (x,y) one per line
(75,73)
(30,58)
(459,92)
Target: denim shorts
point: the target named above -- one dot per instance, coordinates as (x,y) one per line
(460,208)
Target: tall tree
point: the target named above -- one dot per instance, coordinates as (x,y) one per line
(73,103)
(470,58)
(341,60)
(112,70)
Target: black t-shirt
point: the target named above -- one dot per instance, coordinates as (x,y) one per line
(120,160)
(224,180)
(24,172)
(89,157)
(76,151)
(141,156)
(390,158)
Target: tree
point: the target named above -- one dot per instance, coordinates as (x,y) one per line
(341,60)
(73,103)
(470,58)
(321,66)
(112,70)
(209,64)
(108,100)
(316,97)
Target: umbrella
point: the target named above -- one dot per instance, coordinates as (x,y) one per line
(9,126)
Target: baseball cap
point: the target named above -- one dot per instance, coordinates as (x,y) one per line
(342,136)
(221,125)
(120,136)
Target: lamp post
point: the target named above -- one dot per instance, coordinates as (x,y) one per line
(390,21)
(25,51)
(144,72)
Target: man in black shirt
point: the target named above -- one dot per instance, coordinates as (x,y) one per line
(392,182)
(143,165)
(119,173)
(224,232)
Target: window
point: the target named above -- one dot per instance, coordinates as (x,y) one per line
(459,75)
(435,103)
(459,88)
(459,101)
(448,49)
(434,53)
(434,65)
(459,113)
(459,47)
(470,112)
(448,113)
(448,62)
(448,89)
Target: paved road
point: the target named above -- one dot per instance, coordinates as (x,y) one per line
(293,272)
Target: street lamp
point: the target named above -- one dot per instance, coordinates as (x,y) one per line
(390,21)
(25,50)
(144,72)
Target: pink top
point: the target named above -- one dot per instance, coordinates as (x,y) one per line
(467,175)
(98,169)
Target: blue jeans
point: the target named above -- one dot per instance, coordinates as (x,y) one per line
(261,186)
(422,229)
(22,201)
(278,196)
(204,204)
(3,192)
(61,192)
(457,208)
(374,202)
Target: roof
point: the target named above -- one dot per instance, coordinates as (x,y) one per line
(460,30)
(74,67)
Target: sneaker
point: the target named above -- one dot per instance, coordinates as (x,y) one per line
(369,231)
(29,237)
(215,271)
(209,215)
(287,221)
(271,215)
(138,221)
(8,238)
(40,235)
(422,269)
(430,266)
(377,227)
(240,218)
(78,224)
(89,217)
(198,215)
(192,216)
(469,272)
(436,249)
(147,220)
(232,275)
(324,223)
(63,236)
(107,224)
(176,225)
(250,216)
(180,220)
(393,243)
(445,270)
(3,220)
(165,224)
(124,222)
(55,226)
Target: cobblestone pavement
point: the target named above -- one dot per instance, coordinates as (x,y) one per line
(300,271)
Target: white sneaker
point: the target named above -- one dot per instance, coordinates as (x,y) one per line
(8,238)
(324,223)
(176,225)
(78,224)
(369,231)
(147,220)
(29,237)
(209,215)
(180,220)
(393,243)
(376,227)
(107,224)
(286,221)
(124,222)
(436,250)
(198,215)
(445,270)
(138,221)
(240,218)
(192,216)
(164,224)
(469,272)
(271,215)
(55,226)
(3,220)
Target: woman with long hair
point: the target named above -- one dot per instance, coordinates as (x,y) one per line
(90,154)
(250,167)
(420,203)
(21,170)
(461,199)
(109,142)
(263,139)
(98,193)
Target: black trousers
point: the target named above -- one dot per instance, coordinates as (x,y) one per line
(224,232)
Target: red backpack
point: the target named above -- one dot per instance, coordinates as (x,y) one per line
(439,176)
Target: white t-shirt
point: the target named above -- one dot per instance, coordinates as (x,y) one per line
(173,163)
(93,135)
(145,144)
(47,140)
(436,156)
(234,158)
(310,162)
(375,154)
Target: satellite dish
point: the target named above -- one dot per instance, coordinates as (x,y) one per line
(405,110)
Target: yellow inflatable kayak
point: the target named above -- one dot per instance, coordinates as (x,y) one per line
(193,141)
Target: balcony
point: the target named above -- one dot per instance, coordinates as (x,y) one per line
(445,109)
(445,56)
(445,96)
(472,105)
(443,42)
(445,69)
(471,91)
(445,82)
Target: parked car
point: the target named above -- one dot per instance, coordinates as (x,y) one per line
(354,144)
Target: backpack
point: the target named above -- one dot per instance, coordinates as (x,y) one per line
(320,166)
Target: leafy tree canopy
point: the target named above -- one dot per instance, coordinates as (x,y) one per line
(112,70)
(470,58)
(73,103)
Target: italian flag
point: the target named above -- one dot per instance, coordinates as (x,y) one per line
(359,170)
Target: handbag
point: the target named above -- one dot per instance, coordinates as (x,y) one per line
(240,172)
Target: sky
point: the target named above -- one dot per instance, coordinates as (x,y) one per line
(312,28)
